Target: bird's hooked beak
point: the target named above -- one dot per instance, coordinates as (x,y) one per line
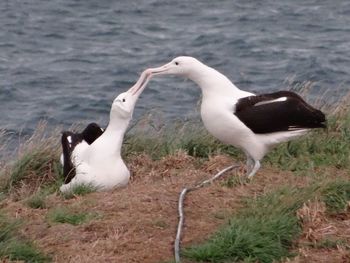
(161,70)
(141,83)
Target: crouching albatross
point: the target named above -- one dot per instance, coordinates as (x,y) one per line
(253,123)
(100,164)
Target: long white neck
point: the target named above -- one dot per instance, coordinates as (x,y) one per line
(112,139)
(214,84)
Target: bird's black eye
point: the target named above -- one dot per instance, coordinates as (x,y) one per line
(176,63)
(123,100)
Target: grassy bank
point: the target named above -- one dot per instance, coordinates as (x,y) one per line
(266,229)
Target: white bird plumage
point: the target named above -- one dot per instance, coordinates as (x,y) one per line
(100,164)
(220,98)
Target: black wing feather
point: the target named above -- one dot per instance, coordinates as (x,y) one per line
(293,113)
(67,149)
(89,134)
(92,132)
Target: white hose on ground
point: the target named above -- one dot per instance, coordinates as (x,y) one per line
(180,207)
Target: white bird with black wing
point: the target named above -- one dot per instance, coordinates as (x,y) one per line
(100,164)
(242,119)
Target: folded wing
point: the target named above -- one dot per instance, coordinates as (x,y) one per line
(278,111)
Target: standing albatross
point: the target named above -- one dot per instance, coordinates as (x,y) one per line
(100,164)
(253,123)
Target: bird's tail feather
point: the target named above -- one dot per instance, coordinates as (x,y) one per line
(278,137)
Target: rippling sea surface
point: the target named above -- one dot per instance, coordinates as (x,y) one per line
(64,61)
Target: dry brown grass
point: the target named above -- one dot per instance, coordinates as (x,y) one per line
(324,238)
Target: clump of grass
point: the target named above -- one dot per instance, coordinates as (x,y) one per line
(328,243)
(37,163)
(336,196)
(24,251)
(261,232)
(2,196)
(7,228)
(161,224)
(60,215)
(262,240)
(37,201)
(234,181)
(79,190)
(14,247)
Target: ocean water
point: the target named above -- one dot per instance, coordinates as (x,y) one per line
(64,61)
